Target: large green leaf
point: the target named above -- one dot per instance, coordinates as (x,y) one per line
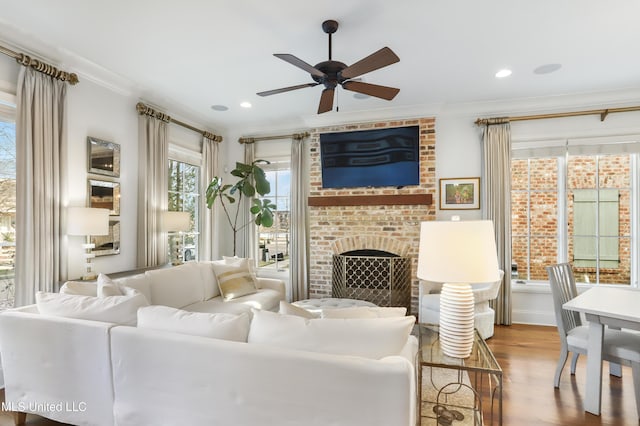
(266,218)
(248,190)
(262,184)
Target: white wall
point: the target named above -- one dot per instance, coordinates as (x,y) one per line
(95,111)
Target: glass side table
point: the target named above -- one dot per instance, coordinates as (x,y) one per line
(456,391)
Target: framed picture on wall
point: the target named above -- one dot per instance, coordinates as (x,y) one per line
(460,193)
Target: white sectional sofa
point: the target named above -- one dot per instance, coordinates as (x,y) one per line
(85,372)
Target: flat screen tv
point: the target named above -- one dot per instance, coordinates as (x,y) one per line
(371,158)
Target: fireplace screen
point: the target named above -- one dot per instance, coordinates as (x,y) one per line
(378,277)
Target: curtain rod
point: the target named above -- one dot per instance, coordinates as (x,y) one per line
(147,110)
(601,112)
(40,66)
(296,136)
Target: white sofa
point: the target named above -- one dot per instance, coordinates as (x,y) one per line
(193,287)
(484,316)
(86,372)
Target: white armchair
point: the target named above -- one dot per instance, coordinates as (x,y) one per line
(429,304)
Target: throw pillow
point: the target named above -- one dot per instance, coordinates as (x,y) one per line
(234,280)
(365,337)
(116,309)
(240,261)
(106,287)
(79,288)
(218,326)
(364,312)
(289,309)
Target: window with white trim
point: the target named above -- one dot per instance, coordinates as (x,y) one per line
(274,242)
(184,195)
(576,204)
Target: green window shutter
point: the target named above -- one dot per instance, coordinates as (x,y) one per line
(584,228)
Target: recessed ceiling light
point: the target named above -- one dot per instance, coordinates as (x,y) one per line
(547,68)
(245,104)
(219,107)
(503,73)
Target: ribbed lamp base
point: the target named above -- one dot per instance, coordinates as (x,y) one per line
(456,320)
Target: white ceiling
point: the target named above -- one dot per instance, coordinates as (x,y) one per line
(187,55)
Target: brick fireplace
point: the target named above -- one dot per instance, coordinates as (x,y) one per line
(394,228)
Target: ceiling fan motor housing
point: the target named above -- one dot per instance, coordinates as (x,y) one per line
(332,70)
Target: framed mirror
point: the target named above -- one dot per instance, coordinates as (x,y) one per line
(106,245)
(105,195)
(104,157)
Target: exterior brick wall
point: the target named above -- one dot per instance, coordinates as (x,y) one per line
(614,172)
(398,225)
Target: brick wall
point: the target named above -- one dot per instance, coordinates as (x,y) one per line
(397,225)
(613,172)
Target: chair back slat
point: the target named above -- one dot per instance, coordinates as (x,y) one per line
(563,289)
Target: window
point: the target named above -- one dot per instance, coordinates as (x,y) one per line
(273,242)
(7,209)
(184,184)
(573,207)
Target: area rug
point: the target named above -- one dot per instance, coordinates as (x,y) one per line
(448,398)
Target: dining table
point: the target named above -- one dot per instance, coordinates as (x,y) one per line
(615,307)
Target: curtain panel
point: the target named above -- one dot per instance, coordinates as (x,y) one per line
(299,253)
(496,151)
(209,171)
(247,238)
(41,251)
(153,164)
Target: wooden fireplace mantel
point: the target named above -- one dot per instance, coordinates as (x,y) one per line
(371,200)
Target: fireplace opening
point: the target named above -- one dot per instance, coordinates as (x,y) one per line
(376,276)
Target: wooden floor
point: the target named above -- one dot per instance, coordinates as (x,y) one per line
(528,356)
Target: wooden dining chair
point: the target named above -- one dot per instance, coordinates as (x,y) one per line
(619,346)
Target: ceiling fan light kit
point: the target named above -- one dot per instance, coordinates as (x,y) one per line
(332,73)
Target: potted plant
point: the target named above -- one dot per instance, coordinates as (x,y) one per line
(252,181)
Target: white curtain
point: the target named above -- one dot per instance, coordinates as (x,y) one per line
(153,164)
(497,205)
(208,250)
(41,261)
(299,253)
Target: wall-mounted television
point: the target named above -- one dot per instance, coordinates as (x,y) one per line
(371,158)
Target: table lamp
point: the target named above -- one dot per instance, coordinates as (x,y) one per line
(172,223)
(87,221)
(457,254)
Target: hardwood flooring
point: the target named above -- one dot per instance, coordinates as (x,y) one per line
(528,356)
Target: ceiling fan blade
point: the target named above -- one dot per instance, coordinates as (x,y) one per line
(293,60)
(376,60)
(326,101)
(286,89)
(383,92)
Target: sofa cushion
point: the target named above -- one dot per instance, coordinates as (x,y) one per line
(209,282)
(115,309)
(364,312)
(234,280)
(217,326)
(177,286)
(265,299)
(366,337)
(139,282)
(289,309)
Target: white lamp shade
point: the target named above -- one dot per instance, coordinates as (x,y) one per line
(458,252)
(87,221)
(176,221)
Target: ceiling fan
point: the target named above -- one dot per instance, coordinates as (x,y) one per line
(331,73)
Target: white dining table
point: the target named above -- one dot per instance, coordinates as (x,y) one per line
(603,305)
